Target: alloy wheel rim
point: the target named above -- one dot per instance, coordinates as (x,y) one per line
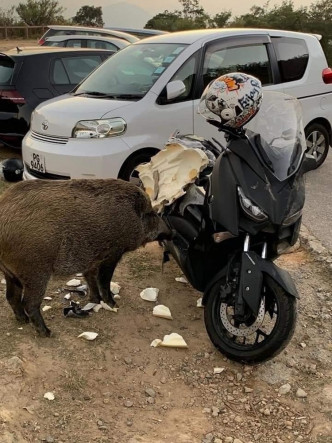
(316,144)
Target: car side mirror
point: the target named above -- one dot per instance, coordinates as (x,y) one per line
(174,89)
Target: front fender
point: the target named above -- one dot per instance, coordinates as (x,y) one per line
(259,267)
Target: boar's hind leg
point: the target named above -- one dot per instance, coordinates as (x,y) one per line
(91,279)
(14,296)
(32,299)
(105,274)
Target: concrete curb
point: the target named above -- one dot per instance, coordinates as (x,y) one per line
(311,243)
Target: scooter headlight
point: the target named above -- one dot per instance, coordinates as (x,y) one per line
(251,210)
(99,128)
(292,218)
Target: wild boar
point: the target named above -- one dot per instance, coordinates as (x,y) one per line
(63,227)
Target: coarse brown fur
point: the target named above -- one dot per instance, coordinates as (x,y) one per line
(68,226)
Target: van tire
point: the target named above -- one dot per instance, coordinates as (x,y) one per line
(313,133)
(127,171)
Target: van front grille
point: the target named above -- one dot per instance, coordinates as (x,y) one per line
(49,138)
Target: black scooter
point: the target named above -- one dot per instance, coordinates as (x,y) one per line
(242,212)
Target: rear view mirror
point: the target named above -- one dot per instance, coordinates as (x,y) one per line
(174,89)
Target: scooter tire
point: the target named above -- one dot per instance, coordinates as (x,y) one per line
(256,353)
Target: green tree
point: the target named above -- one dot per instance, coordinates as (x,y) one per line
(89,16)
(40,12)
(192,16)
(221,19)
(165,21)
(7,16)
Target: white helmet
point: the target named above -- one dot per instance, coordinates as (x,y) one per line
(235,98)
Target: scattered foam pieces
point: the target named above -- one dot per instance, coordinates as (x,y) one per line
(162,311)
(73,282)
(88,335)
(173,340)
(150,294)
(156,342)
(48,298)
(97,308)
(89,306)
(79,274)
(115,287)
(218,370)
(107,307)
(199,303)
(49,396)
(181,279)
(3,281)
(46,308)
(67,296)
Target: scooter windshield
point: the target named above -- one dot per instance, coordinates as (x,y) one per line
(277,133)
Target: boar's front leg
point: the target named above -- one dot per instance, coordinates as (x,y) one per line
(91,278)
(14,292)
(34,292)
(105,274)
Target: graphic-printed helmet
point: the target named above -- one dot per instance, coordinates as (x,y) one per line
(235,98)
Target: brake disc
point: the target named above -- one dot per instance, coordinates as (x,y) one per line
(244,330)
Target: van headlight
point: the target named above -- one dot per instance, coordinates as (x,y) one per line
(252,211)
(99,128)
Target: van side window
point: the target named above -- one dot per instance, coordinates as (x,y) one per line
(251,59)
(292,55)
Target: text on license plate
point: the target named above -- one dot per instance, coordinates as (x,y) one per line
(37,163)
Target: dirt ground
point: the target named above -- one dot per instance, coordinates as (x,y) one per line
(120,389)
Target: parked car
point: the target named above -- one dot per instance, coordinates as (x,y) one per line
(54,30)
(124,112)
(140,33)
(31,75)
(86,41)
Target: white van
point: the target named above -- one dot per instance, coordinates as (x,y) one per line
(124,112)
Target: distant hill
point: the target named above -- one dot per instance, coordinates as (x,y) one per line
(125,15)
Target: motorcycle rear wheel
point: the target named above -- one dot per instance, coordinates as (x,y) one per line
(255,340)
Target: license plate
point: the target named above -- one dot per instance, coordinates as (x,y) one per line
(37,163)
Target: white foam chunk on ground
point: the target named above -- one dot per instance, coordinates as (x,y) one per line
(73,282)
(199,303)
(150,294)
(173,340)
(49,396)
(107,307)
(46,308)
(218,370)
(115,287)
(162,311)
(181,279)
(88,335)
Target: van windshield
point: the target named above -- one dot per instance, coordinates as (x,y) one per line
(131,72)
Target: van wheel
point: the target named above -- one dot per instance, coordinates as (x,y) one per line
(128,171)
(317,139)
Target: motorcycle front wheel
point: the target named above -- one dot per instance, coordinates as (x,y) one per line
(252,339)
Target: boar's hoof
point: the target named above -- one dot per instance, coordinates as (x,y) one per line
(44,332)
(22,318)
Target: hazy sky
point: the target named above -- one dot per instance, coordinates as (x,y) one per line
(211,6)
(148,8)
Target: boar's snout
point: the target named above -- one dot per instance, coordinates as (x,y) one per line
(155,228)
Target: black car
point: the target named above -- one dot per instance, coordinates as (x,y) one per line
(29,76)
